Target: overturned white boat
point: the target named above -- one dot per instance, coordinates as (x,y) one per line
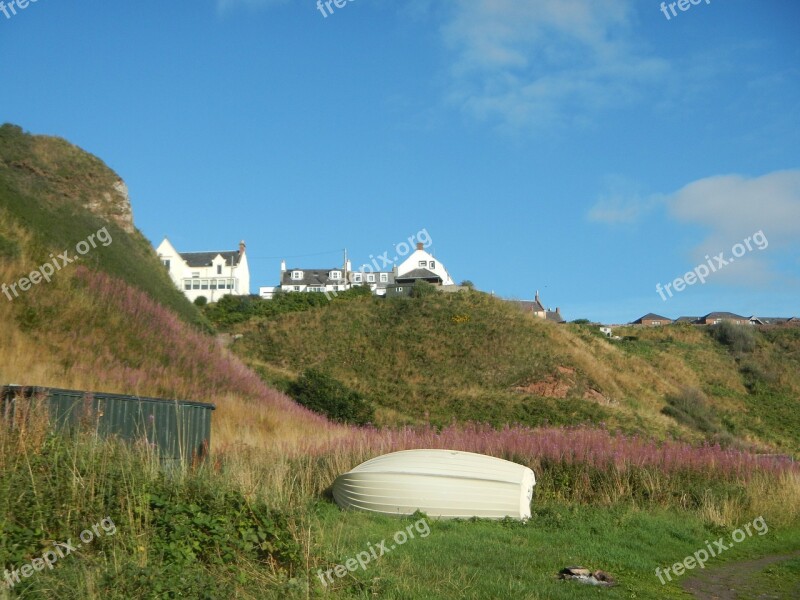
(440,483)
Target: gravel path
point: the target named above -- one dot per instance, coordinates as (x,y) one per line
(728,581)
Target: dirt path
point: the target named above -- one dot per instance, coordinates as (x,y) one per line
(728,581)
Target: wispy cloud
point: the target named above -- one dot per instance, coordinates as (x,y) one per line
(733,207)
(544,62)
(622,203)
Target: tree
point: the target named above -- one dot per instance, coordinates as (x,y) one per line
(323,394)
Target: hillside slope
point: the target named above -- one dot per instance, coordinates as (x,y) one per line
(470,356)
(111,320)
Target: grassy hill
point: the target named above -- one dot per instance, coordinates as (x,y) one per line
(256,520)
(473,357)
(112,320)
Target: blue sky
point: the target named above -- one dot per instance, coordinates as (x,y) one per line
(589,149)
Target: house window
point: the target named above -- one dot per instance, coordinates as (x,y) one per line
(165,262)
(195,273)
(195,284)
(422,263)
(297,274)
(433,264)
(219,269)
(384,277)
(204,284)
(371,278)
(336,275)
(357,277)
(297,288)
(187,284)
(400,289)
(214,285)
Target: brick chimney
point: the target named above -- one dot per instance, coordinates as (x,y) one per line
(419,246)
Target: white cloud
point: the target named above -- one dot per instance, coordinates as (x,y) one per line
(621,203)
(544,62)
(733,208)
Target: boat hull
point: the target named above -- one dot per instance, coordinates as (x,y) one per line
(439,483)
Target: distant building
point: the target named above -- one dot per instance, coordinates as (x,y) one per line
(763,321)
(718,317)
(326,280)
(208,274)
(536,308)
(421,265)
(377,281)
(689,320)
(652,320)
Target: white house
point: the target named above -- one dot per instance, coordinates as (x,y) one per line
(208,274)
(333,279)
(421,265)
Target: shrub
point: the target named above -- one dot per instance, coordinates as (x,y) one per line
(691,408)
(324,394)
(200,301)
(740,338)
(422,289)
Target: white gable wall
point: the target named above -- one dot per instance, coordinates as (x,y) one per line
(418,256)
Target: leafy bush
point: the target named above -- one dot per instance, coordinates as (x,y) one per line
(8,248)
(691,408)
(740,338)
(324,394)
(200,301)
(230,310)
(422,289)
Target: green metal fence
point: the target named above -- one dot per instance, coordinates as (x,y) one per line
(180,430)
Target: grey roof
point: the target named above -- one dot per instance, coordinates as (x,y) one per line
(203,259)
(555,316)
(377,274)
(687,319)
(529,305)
(313,277)
(723,315)
(417,274)
(770,320)
(652,317)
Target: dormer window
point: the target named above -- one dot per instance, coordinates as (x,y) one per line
(357,277)
(336,275)
(371,278)
(384,277)
(297,274)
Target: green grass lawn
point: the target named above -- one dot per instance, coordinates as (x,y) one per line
(485,559)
